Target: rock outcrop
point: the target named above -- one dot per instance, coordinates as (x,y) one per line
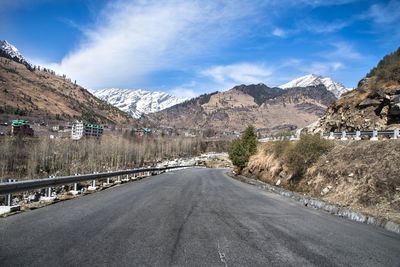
(373,105)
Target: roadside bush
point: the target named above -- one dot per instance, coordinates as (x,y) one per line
(305,152)
(241,149)
(238,154)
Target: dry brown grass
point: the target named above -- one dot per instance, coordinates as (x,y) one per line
(362,175)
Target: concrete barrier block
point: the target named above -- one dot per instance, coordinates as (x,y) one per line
(8,209)
(391,226)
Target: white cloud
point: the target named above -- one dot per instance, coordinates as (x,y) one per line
(183,92)
(241,73)
(279,32)
(132,39)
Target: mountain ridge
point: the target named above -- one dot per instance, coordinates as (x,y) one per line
(137,102)
(268,109)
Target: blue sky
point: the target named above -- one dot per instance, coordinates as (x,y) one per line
(191,47)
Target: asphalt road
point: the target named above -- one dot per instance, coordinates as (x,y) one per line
(194,217)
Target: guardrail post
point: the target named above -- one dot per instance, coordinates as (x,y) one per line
(396,134)
(374,136)
(344,138)
(331,137)
(8,197)
(48,191)
(119,178)
(94,183)
(358,136)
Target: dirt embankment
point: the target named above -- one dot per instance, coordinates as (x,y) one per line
(360,175)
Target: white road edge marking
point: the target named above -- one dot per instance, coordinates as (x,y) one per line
(222,255)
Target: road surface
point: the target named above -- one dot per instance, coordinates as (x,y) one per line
(194,217)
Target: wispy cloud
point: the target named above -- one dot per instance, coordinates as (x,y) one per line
(324,68)
(384,13)
(323,27)
(187,90)
(342,50)
(133,39)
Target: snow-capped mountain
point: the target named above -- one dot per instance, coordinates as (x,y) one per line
(137,102)
(312,80)
(10,51)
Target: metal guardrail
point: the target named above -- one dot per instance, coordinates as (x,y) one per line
(20,186)
(357,135)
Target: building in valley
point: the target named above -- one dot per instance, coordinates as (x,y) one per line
(21,127)
(80,129)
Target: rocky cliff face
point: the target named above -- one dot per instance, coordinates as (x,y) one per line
(374,105)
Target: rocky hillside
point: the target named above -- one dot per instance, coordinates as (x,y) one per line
(137,102)
(268,109)
(373,105)
(40,95)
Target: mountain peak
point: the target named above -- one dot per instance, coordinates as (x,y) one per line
(314,80)
(11,52)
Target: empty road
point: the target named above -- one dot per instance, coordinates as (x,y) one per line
(194,217)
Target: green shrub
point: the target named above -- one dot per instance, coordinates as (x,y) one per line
(241,149)
(238,154)
(249,140)
(305,152)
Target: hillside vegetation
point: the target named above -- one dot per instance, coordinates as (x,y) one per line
(40,95)
(388,69)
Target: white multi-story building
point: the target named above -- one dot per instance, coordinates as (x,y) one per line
(80,129)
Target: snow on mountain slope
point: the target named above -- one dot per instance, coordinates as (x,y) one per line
(12,52)
(312,80)
(137,102)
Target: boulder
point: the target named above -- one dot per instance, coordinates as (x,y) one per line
(369,102)
(394,109)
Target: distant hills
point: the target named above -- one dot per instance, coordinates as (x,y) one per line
(268,109)
(27,91)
